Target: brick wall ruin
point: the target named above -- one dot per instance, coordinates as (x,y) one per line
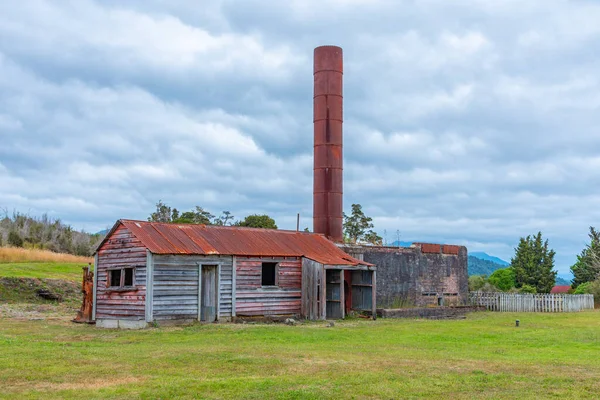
(419,275)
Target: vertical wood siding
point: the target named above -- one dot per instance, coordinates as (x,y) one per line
(253,299)
(176,285)
(311,277)
(121,250)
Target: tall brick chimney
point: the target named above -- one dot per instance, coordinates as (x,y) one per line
(328,159)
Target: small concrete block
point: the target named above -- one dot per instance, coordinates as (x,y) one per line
(107,323)
(127,324)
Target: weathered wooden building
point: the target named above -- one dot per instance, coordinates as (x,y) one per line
(148,271)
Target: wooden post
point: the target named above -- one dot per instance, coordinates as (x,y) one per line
(218,282)
(233,286)
(149,287)
(323,281)
(199,291)
(95,286)
(374,294)
(342,294)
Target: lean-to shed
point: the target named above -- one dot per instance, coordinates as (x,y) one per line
(149,271)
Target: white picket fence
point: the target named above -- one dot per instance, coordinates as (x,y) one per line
(516,302)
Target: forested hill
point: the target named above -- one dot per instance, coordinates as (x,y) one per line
(477,266)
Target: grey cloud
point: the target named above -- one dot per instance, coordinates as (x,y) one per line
(471,122)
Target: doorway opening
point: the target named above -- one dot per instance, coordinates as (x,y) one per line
(208,293)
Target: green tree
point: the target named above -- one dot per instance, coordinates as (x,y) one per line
(163,213)
(197,216)
(476,282)
(533,264)
(373,238)
(528,289)
(258,221)
(224,219)
(356,225)
(587,267)
(503,279)
(14,239)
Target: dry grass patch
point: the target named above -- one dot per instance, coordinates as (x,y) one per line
(17,254)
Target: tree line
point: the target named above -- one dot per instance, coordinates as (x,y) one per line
(531,269)
(199,215)
(358,228)
(22,230)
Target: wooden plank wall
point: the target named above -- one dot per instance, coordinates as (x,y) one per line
(252,299)
(310,289)
(176,285)
(175,291)
(122,249)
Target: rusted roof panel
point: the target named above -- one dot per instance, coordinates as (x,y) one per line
(162,238)
(561,289)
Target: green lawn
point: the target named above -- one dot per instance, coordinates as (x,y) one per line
(484,356)
(47,270)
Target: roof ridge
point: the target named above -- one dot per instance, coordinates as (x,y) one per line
(211,226)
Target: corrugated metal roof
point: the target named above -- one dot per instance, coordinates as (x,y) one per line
(163,238)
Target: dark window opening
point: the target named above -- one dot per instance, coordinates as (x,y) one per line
(269,274)
(115,277)
(448,270)
(128,277)
(121,277)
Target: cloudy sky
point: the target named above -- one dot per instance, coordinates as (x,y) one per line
(470,122)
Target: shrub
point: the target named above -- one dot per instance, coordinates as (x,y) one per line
(476,282)
(583,288)
(503,279)
(527,289)
(590,288)
(14,239)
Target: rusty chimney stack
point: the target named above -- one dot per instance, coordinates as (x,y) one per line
(327,118)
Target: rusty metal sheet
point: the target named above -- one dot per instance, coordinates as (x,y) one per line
(163,238)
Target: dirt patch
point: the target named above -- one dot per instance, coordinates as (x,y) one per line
(92,384)
(20,298)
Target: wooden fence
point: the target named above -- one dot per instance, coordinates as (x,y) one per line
(516,302)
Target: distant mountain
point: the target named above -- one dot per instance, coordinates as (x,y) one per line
(484,256)
(103,232)
(562,281)
(479,266)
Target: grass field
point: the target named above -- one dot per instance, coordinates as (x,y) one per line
(484,356)
(43,270)
(43,355)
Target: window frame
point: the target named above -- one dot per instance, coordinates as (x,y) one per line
(275,272)
(121,286)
